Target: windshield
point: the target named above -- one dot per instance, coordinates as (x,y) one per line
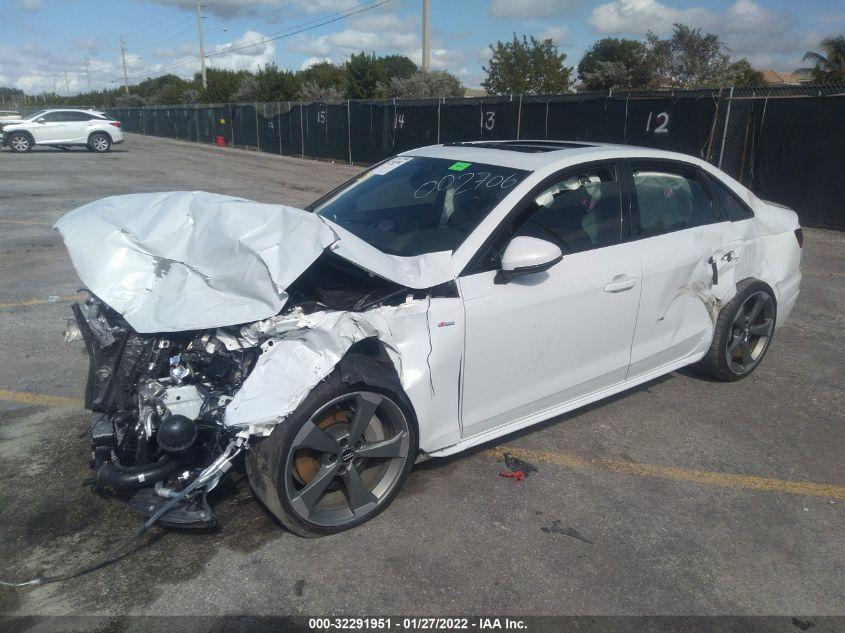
(414,205)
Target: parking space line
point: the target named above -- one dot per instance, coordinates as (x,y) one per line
(38,302)
(674,473)
(36,222)
(39,399)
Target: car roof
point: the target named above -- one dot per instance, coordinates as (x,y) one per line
(540,155)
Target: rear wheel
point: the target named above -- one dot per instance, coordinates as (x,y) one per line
(337,461)
(743,332)
(99,142)
(18,142)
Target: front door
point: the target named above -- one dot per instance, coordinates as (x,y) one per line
(547,338)
(49,128)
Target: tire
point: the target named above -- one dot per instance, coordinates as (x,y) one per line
(99,142)
(19,142)
(314,479)
(743,332)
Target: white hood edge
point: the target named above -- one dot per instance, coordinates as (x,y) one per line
(177,261)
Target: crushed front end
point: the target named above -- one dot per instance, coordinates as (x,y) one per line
(157,404)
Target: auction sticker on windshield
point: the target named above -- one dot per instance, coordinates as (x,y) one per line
(389,165)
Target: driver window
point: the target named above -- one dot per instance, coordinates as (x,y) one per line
(582,210)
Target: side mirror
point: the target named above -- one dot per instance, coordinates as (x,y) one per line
(40,120)
(527,255)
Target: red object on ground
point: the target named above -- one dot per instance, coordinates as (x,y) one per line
(222,142)
(518,475)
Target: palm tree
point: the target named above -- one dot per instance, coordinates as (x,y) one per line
(829,65)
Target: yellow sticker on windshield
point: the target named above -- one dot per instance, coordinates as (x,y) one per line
(459,166)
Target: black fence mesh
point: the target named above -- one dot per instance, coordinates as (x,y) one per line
(786,142)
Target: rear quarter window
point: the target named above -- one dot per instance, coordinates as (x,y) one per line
(728,203)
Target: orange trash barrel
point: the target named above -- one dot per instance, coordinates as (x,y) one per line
(222,142)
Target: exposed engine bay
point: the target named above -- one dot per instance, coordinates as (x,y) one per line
(157,404)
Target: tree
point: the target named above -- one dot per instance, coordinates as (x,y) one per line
(312,91)
(529,66)
(615,63)
(397,66)
(272,84)
(325,76)
(746,75)
(829,65)
(222,84)
(425,84)
(364,75)
(690,59)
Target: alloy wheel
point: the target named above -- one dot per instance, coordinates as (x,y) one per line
(751,331)
(20,143)
(347,458)
(100,143)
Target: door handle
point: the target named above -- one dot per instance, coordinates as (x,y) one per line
(715,268)
(621,283)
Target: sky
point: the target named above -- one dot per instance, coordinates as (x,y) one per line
(54,41)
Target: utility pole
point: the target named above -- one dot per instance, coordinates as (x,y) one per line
(426,46)
(87,74)
(54,86)
(123,56)
(202,45)
(67,85)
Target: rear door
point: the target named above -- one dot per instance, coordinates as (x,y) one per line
(77,126)
(688,254)
(548,338)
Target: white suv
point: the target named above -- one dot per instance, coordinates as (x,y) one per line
(63,129)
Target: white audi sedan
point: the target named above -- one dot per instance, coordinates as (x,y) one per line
(439,300)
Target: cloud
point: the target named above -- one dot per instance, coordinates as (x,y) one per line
(558,34)
(255,7)
(313,61)
(639,16)
(28,5)
(770,39)
(532,9)
(227,56)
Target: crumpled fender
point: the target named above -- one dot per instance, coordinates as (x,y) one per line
(298,352)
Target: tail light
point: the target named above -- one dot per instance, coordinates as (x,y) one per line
(115,123)
(799,235)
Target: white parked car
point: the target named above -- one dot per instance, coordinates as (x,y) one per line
(439,300)
(62,128)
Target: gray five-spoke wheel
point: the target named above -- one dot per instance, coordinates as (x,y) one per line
(347,458)
(751,331)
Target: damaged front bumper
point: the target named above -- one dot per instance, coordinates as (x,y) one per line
(157,406)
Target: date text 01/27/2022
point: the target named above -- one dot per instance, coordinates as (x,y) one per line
(417,624)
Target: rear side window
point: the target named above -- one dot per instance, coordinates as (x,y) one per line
(728,203)
(669,198)
(581,211)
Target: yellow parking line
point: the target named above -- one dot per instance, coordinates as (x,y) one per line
(704,477)
(38,302)
(39,399)
(36,222)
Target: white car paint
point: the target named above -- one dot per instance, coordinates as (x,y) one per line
(54,127)
(492,360)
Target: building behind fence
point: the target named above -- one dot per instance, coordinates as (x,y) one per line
(785,143)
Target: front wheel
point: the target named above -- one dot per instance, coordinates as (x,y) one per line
(99,143)
(19,142)
(743,332)
(337,461)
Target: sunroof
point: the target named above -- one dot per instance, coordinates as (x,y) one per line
(528,147)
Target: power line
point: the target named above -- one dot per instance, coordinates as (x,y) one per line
(295,30)
(154,24)
(163,31)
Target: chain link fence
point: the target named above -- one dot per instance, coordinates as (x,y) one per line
(774,139)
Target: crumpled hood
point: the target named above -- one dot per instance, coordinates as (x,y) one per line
(170,262)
